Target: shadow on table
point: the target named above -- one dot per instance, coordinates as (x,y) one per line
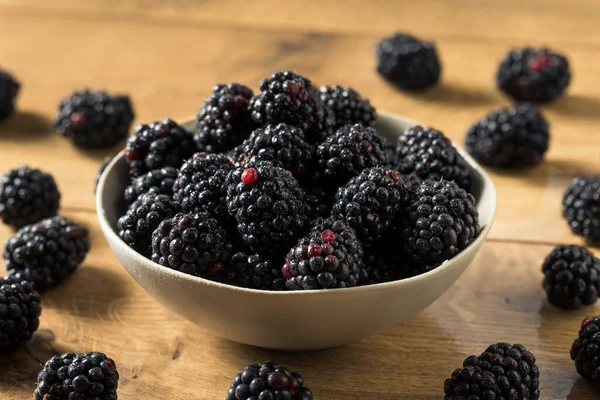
(577,105)
(25,125)
(452,93)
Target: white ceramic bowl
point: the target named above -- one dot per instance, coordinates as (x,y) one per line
(299,320)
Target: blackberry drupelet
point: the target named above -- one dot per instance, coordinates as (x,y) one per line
(200,184)
(94,119)
(330,256)
(9,88)
(157,181)
(142,218)
(158,145)
(255,272)
(101,169)
(347,152)
(289,98)
(87,376)
(372,203)
(571,277)
(428,154)
(348,106)
(268,381)
(581,207)
(47,252)
(408,62)
(509,137)
(586,350)
(194,244)
(20,310)
(268,205)
(320,203)
(281,144)
(224,119)
(440,222)
(537,75)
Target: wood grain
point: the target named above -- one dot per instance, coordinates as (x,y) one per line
(168,54)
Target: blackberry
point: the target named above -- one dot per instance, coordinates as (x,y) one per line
(382,266)
(158,145)
(330,256)
(87,376)
(9,88)
(347,152)
(348,106)
(586,350)
(428,154)
(268,381)
(101,169)
(27,196)
(194,244)
(509,137)
(440,222)
(537,75)
(408,62)
(157,181)
(571,277)
(581,207)
(282,144)
(268,205)
(471,383)
(200,184)
(224,119)
(320,203)
(142,218)
(47,252)
(255,272)
(372,203)
(289,98)
(20,310)
(94,118)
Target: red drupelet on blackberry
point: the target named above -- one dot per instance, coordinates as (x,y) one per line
(348,106)
(585,350)
(581,207)
(9,88)
(158,181)
(255,272)
(20,310)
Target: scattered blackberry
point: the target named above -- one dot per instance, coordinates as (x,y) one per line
(158,145)
(347,152)
(408,62)
(441,221)
(509,137)
(142,218)
(372,203)
(290,98)
(428,154)
(19,313)
(200,184)
(101,169)
(586,350)
(320,203)
(27,196)
(268,204)
(581,207)
(255,272)
(47,252)
(283,145)
(157,181)
(194,244)
(88,376)
(330,256)
(224,118)
(348,106)
(94,119)
(571,277)
(268,381)
(9,88)
(538,75)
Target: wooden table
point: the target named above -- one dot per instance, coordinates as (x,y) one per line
(168,54)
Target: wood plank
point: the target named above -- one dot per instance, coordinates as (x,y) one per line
(161,356)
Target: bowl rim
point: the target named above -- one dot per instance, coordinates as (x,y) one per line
(147,263)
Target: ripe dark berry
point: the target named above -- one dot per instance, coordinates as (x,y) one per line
(101,169)
(27,196)
(224,119)
(320,203)
(586,350)
(47,252)
(88,376)
(581,207)
(9,88)
(537,75)
(255,272)
(158,181)
(517,136)
(348,106)
(94,119)
(19,313)
(408,62)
